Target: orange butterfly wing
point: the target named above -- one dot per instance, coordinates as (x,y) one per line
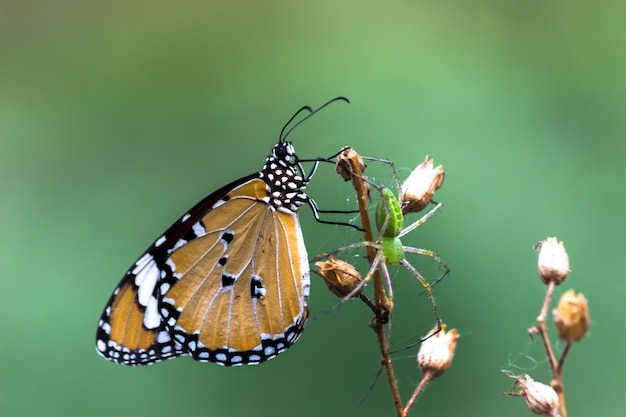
(227,283)
(243,287)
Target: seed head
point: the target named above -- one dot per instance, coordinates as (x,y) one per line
(340,277)
(436,352)
(553,263)
(571,316)
(540,398)
(418,189)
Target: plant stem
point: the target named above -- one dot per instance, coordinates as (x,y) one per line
(383,304)
(555,367)
(418,390)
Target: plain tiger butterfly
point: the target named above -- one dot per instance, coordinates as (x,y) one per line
(228,282)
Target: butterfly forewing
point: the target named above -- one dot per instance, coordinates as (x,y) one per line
(227,283)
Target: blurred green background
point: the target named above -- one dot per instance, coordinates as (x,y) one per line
(116,117)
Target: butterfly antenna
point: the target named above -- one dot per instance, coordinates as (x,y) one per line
(312,112)
(281,138)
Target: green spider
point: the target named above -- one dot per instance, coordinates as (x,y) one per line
(388,246)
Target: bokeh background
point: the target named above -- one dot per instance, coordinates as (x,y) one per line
(117,116)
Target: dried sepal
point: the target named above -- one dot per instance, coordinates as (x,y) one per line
(341,277)
(540,398)
(553,262)
(348,163)
(571,316)
(418,189)
(436,352)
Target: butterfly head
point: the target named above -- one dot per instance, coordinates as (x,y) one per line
(282,171)
(284,151)
(284,177)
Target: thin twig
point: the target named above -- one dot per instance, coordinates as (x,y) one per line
(557,381)
(555,367)
(543,331)
(563,356)
(385,360)
(422,385)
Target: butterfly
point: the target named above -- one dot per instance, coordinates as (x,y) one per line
(228,282)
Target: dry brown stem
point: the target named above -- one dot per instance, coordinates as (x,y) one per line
(350,166)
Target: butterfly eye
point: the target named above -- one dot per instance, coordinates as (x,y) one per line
(284,151)
(280,151)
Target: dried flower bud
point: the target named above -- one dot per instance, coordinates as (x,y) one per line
(571,316)
(540,398)
(436,352)
(341,277)
(420,186)
(553,263)
(349,162)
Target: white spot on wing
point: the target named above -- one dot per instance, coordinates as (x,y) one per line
(159,241)
(198,229)
(101,345)
(178,244)
(151,318)
(141,263)
(146,280)
(163,337)
(106,327)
